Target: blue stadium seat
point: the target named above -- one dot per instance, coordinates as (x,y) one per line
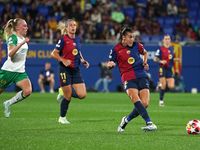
(144,2)
(192,13)
(169,21)
(100,27)
(129,12)
(1,8)
(198,23)
(168,30)
(193,5)
(12,7)
(192,21)
(160,20)
(43,10)
(145,38)
(155,38)
(177,20)
(25,8)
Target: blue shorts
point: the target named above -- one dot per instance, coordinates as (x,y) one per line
(165,72)
(139,83)
(68,75)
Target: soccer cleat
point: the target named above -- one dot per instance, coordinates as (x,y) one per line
(161,103)
(122,124)
(7,109)
(149,127)
(59,98)
(63,120)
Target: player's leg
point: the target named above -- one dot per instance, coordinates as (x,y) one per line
(170,83)
(133,94)
(79,90)
(162,90)
(64,105)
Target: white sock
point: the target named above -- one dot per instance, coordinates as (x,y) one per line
(18,97)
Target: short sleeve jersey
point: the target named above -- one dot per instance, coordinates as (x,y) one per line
(69,49)
(129,61)
(16,63)
(166,54)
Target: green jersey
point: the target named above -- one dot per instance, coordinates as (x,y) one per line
(16,63)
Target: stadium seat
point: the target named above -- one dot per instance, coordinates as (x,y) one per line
(168,30)
(155,38)
(169,21)
(25,8)
(192,21)
(100,27)
(12,7)
(144,2)
(129,12)
(43,10)
(192,13)
(193,5)
(177,20)
(1,8)
(160,20)
(198,23)
(145,38)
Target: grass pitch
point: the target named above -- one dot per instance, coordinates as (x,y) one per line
(33,123)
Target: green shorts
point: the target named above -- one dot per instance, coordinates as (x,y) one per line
(7,78)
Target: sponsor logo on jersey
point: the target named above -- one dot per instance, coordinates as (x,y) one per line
(131,60)
(75,52)
(128,51)
(170,56)
(3,82)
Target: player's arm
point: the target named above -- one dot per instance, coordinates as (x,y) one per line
(55,55)
(13,49)
(157,59)
(145,57)
(111,65)
(83,61)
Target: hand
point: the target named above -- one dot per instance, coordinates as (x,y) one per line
(111,64)
(66,62)
(85,63)
(26,40)
(146,66)
(163,62)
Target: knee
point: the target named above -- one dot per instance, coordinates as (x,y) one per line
(145,103)
(27,92)
(82,96)
(171,86)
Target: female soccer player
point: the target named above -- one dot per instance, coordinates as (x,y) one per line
(13,70)
(67,52)
(133,76)
(165,58)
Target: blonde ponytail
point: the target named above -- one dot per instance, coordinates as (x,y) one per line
(10,26)
(62,29)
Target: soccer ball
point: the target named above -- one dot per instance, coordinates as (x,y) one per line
(193,127)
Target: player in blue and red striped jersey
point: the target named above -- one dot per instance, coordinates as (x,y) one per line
(67,52)
(165,58)
(133,75)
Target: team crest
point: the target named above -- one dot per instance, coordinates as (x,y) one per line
(64,81)
(3,82)
(131,60)
(75,52)
(74,44)
(170,56)
(169,51)
(128,51)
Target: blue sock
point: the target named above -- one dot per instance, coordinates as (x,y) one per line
(162,92)
(132,115)
(142,111)
(64,107)
(74,93)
